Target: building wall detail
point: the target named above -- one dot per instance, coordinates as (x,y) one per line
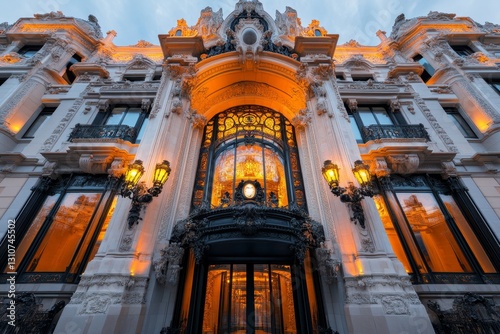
(399,107)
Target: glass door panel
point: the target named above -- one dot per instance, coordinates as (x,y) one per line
(249,298)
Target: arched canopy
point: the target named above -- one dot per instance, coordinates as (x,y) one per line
(224,81)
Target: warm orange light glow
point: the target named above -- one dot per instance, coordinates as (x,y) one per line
(331,173)
(162,172)
(134,173)
(362,173)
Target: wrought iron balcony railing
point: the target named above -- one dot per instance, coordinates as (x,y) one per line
(373,132)
(84,131)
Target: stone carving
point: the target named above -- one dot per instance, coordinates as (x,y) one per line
(470,311)
(394,305)
(49,16)
(168,267)
(99,303)
(379,166)
(11,58)
(94,164)
(49,143)
(182,29)
(302,119)
(117,168)
(139,62)
(327,266)
(395,105)
(288,23)
(314,29)
(209,22)
(143,44)
(403,163)
(352,104)
(197,120)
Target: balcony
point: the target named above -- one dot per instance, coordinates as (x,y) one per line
(374,132)
(102,133)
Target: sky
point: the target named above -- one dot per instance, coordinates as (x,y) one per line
(135,20)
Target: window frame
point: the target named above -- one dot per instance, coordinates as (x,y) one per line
(284,145)
(396,118)
(462,50)
(455,114)
(68,75)
(140,124)
(429,70)
(33,48)
(494,84)
(37,123)
(66,184)
(391,185)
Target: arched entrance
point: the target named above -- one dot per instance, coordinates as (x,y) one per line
(248,265)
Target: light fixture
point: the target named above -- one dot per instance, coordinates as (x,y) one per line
(352,194)
(137,192)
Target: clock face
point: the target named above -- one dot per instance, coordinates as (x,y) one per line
(249,190)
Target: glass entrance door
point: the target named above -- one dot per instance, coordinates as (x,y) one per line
(249,298)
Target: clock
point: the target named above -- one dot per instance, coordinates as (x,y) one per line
(249,191)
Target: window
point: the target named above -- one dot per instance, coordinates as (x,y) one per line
(61,227)
(134,78)
(428,69)
(128,120)
(157,76)
(29,51)
(462,50)
(68,75)
(367,118)
(249,144)
(459,121)
(426,221)
(495,84)
(38,123)
(2,80)
(362,77)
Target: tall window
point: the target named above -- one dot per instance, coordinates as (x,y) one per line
(29,51)
(61,228)
(366,116)
(130,119)
(462,50)
(249,143)
(68,75)
(428,69)
(42,118)
(460,122)
(495,84)
(430,233)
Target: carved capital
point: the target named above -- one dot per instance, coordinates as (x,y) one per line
(352,104)
(167,267)
(403,163)
(97,164)
(302,119)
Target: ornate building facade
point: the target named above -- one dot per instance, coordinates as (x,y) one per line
(237,119)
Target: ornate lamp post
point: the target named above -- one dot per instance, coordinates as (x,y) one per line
(137,192)
(352,194)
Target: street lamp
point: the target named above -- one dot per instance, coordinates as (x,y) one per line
(352,194)
(137,192)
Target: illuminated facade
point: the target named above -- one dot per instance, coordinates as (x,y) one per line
(246,236)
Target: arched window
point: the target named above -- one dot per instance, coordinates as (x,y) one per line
(249,143)
(248,264)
